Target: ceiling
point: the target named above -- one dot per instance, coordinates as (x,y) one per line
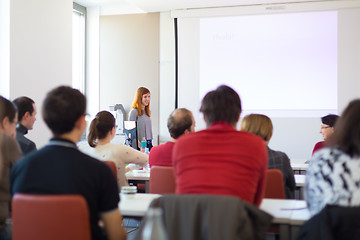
(113,7)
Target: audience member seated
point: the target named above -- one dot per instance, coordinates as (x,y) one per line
(60,168)
(333,173)
(26,119)
(181,121)
(221,160)
(262,126)
(102,131)
(9,153)
(326,129)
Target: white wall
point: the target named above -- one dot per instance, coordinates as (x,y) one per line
(167,74)
(297,136)
(129,58)
(40,52)
(93,60)
(4,47)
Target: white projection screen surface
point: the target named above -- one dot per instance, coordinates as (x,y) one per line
(273,61)
(293,67)
(278,58)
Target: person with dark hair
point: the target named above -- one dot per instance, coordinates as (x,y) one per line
(101,132)
(333,173)
(26,119)
(140,112)
(262,126)
(326,129)
(180,122)
(221,160)
(60,168)
(9,154)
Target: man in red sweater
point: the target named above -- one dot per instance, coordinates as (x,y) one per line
(181,121)
(221,160)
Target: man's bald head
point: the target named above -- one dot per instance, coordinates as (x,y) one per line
(180,121)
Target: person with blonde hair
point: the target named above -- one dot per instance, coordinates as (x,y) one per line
(262,126)
(102,131)
(140,112)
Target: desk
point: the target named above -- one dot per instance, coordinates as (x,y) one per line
(300,183)
(139,176)
(300,180)
(298,217)
(299,167)
(289,214)
(137,205)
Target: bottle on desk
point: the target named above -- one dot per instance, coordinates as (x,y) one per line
(143,144)
(154,227)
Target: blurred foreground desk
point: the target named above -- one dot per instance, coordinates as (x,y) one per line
(290,215)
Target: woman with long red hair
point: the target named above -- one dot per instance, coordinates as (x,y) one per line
(140,112)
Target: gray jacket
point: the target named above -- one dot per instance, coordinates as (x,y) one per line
(210,217)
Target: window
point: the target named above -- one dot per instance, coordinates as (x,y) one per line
(78,56)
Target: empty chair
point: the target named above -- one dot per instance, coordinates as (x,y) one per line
(55,217)
(274,186)
(113,168)
(162,180)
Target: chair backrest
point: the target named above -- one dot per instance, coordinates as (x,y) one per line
(274,186)
(211,217)
(162,180)
(131,138)
(332,223)
(112,166)
(55,217)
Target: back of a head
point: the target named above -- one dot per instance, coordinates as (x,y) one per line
(346,135)
(330,119)
(7,109)
(62,107)
(100,126)
(259,125)
(179,120)
(24,104)
(221,105)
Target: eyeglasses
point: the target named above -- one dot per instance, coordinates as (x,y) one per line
(87,117)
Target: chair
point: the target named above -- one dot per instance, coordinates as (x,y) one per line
(112,166)
(55,217)
(274,186)
(332,223)
(210,217)
(131,138)
(162,180)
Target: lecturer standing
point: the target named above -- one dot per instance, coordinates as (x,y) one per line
(140,112)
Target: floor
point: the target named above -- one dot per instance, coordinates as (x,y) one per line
(131,226)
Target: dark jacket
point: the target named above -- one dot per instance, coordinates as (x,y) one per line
(332,223)
(210,217)
(26,144)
